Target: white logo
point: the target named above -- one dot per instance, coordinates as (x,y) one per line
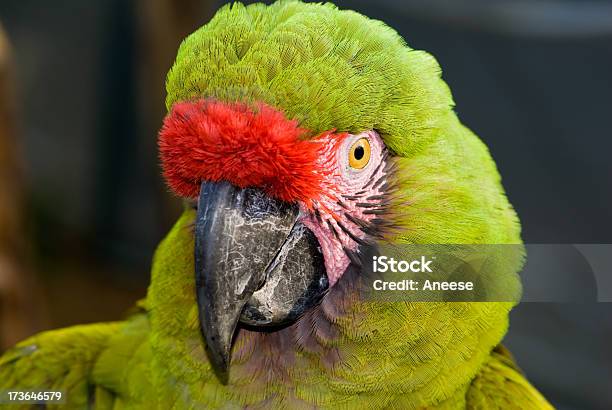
(384,264)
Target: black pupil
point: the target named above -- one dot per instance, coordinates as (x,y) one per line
(359,153)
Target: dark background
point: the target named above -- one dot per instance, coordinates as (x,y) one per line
(532,78)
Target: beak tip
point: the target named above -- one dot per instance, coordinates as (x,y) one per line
(220,364)
(218,336)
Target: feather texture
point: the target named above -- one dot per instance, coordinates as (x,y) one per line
(324,69)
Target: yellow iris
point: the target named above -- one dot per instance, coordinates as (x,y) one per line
(359,153)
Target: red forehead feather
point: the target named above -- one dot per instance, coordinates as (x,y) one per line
(214,141)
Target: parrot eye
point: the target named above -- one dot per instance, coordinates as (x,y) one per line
(359,153)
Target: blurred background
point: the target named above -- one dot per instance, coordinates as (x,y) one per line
(82,204)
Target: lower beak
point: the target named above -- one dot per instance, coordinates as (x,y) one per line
(241,240)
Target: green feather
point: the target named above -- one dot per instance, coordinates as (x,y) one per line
(328,69)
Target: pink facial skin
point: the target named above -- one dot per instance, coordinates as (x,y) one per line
(342,217)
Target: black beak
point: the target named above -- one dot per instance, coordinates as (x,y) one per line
(242,239)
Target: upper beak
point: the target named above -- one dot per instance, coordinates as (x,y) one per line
(238,237)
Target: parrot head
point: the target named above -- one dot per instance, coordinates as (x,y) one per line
(301,134)
(281,213)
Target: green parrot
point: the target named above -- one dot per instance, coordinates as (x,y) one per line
(299,135)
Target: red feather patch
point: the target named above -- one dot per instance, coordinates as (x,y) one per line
(207,140)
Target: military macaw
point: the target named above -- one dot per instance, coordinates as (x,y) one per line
(299,135)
